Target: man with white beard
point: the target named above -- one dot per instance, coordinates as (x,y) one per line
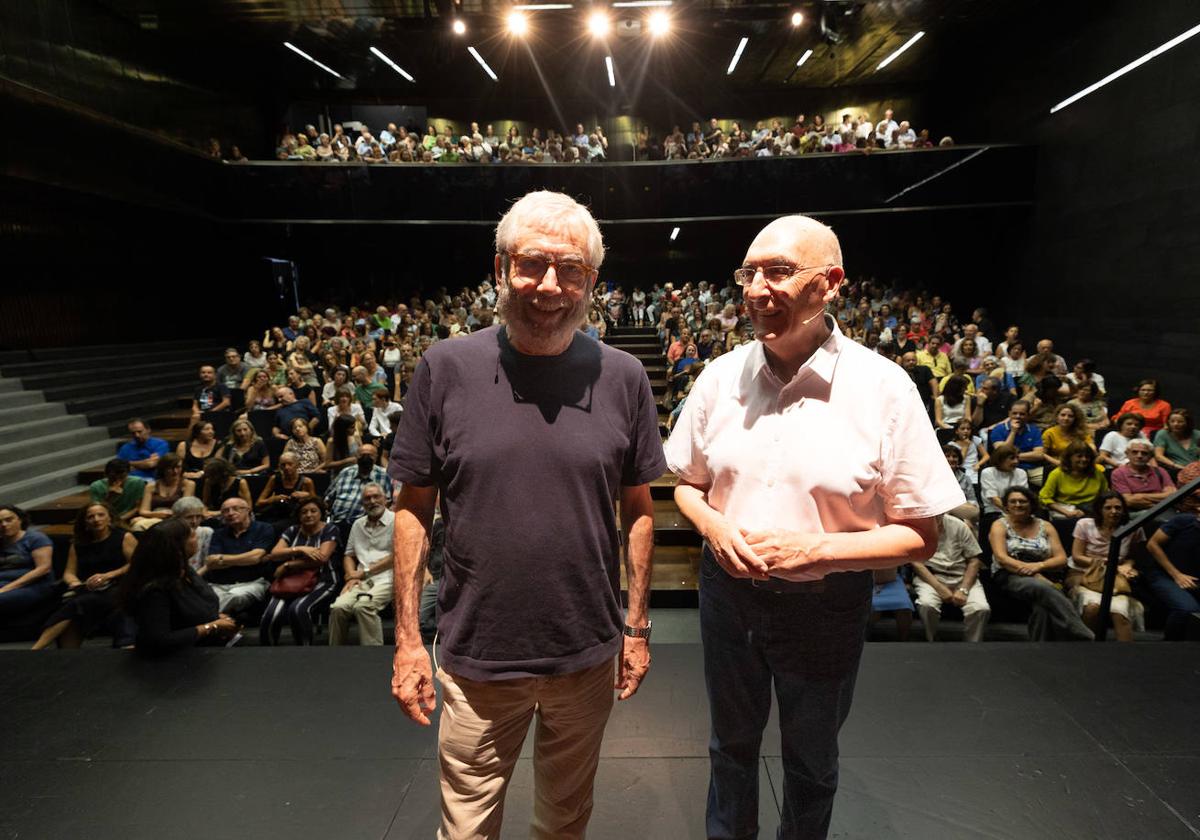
(528,431)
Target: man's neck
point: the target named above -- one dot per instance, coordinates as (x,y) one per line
(529,345)
(786,360)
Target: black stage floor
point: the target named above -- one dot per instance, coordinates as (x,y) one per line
(945,741)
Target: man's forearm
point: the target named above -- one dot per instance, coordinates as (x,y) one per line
(410,545)
(878,548)
(639,563)
(248,558)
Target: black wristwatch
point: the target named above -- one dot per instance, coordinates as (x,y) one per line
(639,632)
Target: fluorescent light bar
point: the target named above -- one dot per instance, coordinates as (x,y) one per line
(305,55)
(1133,65)
(482,63)
(807,55)
(612,80)
(737,55)
(641,4)
(674,233)
(542,7)
(392,64)
(897,53)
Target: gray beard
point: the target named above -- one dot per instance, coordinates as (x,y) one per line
(512,310)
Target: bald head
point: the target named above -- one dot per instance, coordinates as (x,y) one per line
(799,239)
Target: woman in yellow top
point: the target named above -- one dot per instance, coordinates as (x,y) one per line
(1072,487)
(1070,426)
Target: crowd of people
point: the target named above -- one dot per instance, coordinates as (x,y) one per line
(444,143)
(274,509)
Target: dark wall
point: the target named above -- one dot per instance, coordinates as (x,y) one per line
(1111,270)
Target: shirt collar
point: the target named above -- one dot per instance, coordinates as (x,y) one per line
(820,364)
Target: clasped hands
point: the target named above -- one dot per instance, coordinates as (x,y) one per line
(762,554)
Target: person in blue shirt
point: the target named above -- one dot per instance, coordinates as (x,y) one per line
(1025,436)
(143,451)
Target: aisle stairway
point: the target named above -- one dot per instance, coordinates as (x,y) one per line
(63,411)
(677,545)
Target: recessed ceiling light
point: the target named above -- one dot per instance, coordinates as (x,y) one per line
(518,24)
(674,233)
(660,23)
(458,26)
(599,24)
(797,18)
(640,4)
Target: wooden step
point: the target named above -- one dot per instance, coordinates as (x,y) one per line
(60,511)
(676,568)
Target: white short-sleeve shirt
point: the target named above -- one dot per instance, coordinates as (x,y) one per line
(844,446)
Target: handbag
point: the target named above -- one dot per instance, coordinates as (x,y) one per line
(1093,579)
(297,583)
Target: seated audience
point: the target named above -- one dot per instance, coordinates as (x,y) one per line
(254,357)
(1085,371)
(953,403)
(1072,487)
(1070,426)
(1141,482)
(1089,560)
(300,389)
(233,373)
(292,409)
(236,567)
(1025,437)
(890,597)
(933,357)
(364,388)
(1174,576)
(1001,473)
(344,496)
(1115,443)
(284,491)
(211,397)
(123,492)
(260,392)
(344,405)
(1178,444)
(245,450)
(171,604)
(992,404)
(970,446)
(337,378)
(26,576)
(309,450)
(968,511)
(303,578)
(197,449)
(168,487)
(923,378)
(368,572)
(951,577)
(143,451)
(1047,396)
(382,412)
(1153,409)
(1027,558)
(1089,399)
(220,483)
(343,445)
(191,510)
(98,558)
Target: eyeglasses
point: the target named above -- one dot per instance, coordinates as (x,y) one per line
(569,273)
(775,275)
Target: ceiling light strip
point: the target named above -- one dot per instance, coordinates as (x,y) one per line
(641,4)
(308,57)
(674,233)
(542,7)
(392,64)
(807,55)
(612,79)
(900,51)
(483,64)
(1133,65)
(737,55)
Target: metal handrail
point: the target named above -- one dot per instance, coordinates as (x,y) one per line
(1114,550)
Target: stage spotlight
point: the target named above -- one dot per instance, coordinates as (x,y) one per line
(459,27)
(797,18)
(599,24)
(660,23)
(517,24)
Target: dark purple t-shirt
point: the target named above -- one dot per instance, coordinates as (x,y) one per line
(529,453)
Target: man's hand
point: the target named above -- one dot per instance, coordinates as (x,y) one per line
(350,586)
(1185,581)
(958,599)
(633,665)
(412,684)
(730,549)
(784,552)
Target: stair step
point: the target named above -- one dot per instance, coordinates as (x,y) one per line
(37,428)
(117,416)
(28,413)
(109,350)
(50,367)
(59,508)
(15,399)
(55,482)
(51,439)
(179,382)
(10,384)
(44,462)
(126,397)
(185,369)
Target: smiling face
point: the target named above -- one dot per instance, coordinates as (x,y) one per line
(543,311)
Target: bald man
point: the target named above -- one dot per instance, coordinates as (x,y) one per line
(805,461)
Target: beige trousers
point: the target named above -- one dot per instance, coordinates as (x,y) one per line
(976,611)
(482,728)
(362,604)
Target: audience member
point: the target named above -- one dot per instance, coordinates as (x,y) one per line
(1092,538)
(1115,443)
(260,392)
(245,450)
(191,510)
(303,581)
(344,496)
(220,483)
(122,491)
(195,452)
(284,491)
(292,409)
(309,450)
(168,487)
(233,373)
(143,451)
(1070,426)
(1174,576)
(211,397)
(98,558)
(368,572)
(345,405)
(1090,400)
(951,577)
(254,357)
(968,510)
(1178,444)
(992,403)
(1153,409)
(26,577)
(382,412)
(1025,437)
(1025,554)
(236,567)
(953,403)
(1072,487)
(1085,371)
(171,604)
(1141,483)
(343,446)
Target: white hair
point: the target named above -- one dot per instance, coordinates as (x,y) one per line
(550,212)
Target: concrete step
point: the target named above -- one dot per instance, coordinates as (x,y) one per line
(35,428)
(631,344)
(10,384)
(116,416)
(168,381)
(14,399)
(28,413)
(42,462)
(110,364)
(126,399)
(631,331)
(56,509)
(46,485)
(102,350)
(69,376)
(52,439)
